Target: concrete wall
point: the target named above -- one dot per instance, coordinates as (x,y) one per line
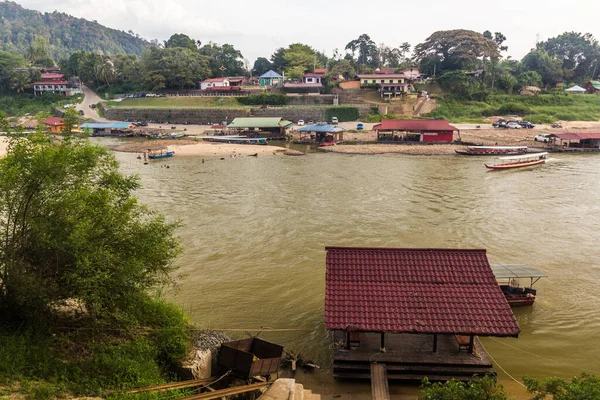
(310,100)
(209,116)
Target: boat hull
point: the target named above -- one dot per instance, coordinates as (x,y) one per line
(515,165)
(472,153)
(158,156)
(520,301)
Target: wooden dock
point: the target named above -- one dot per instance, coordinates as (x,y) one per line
(410,357)
(380,389)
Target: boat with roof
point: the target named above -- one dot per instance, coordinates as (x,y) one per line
(507,276)
(492,150)
(526,160)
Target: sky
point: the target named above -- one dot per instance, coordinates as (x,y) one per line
(257,29)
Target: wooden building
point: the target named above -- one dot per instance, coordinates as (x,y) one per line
(321,133)
(418,311)
(580,141)
(55,124)
(261,127)
(423,131)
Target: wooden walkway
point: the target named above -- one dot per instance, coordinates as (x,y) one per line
(380,389)
(410,357)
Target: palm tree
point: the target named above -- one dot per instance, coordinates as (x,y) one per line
(19,81)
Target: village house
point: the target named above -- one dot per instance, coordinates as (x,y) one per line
(55,124)
(375,79)
(214,82)
(238,81)
(271,78)
(261,127)
(315,77)
(53,83)
(423,131)
(593,87)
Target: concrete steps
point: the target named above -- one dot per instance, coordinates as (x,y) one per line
(288,389)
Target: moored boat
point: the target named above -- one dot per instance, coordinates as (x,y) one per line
(507,275)
(492,150)
(154,156)
(526,160)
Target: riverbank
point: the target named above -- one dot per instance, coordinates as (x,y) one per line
(197,148)
(3,146)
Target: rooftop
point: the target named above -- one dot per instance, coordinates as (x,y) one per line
(383,76)
(260,123)
(49,83)
(303,85)
(414,125)
(223,79)
(578,136)
(107,125)
(271,74)
(321,128)
(423,291)
(54,121)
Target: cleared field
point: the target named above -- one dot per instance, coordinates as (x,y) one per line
(178,102)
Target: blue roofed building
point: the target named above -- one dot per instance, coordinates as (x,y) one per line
(271,78)
(108,128)
(323,134)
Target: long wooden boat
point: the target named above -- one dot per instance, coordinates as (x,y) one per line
(507,276)
(527,160)
(492,150)
(161,155)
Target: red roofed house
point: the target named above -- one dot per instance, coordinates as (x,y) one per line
(55,124)
(580,140)
(214,82)
(413,310)
(238,81)
(424,131)
(52,82)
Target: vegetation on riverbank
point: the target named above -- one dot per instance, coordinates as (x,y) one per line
(544,108)
(18,105)
(81,265)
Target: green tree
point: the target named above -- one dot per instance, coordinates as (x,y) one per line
(181,40)
(301,56)
(71,230)
(261,65)
(8,63)
(549,68)
(38,52)
(279,62)
(344,68)
(530,78)
(174,68)
(485,388)
(585,387)
(367,50)
(71,120)
(224,60)
(579,54)
(456,49)
(19,81)
(457,82)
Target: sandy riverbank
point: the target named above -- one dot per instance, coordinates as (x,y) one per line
(3,146)
(186,147)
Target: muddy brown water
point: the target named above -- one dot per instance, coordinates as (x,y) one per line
(255,228)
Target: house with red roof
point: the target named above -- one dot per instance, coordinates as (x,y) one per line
(55,124)
(417,311)
(579,140)
(214,82)
(423,131)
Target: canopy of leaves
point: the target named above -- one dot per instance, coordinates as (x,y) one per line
(485,388)
(579,53)
(261,65)
(549,68)
(181,40)
(177,68)
(366,48)
(71,229)
(456,49)
(224,60)
(67,34)
(580,388)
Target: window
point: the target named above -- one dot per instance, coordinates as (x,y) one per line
(391,81)
(382,81)
(374,81)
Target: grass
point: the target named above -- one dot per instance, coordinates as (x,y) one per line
(178,102)
(539,109)
(18,105)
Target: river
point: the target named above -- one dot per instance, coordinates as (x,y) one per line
(255,230)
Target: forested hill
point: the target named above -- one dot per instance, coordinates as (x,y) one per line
(67,34)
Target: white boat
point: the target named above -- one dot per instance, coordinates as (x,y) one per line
(526,160)
(492,150)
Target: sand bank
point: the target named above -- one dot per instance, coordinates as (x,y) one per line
(196,148)
(3,146)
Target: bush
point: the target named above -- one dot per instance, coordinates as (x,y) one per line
(513,108)
(21,104)
(343,114)
(584,387)
(485,388)
(539,119)
(271,99)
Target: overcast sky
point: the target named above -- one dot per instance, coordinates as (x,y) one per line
(257,28)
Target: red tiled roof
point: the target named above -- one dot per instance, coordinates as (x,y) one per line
(425,291)
(54,121)
(49,83)
(52,76)
(321,70)
(414,125)
(215,80)
(383,76)
(222,89)
(577,136)
(313,75)
(386,70)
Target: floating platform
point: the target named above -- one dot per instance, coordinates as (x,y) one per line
(410,357)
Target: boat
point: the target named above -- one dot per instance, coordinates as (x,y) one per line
(526,160)
(507,275)
(492,150)
(161,155)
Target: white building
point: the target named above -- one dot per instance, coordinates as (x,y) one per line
(214,82)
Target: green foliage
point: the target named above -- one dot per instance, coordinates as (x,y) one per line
(485,388)
(513,108)
(67,34)
(343,114)
(95,243)
(181,40)
(367,50)
(224,60)
(271,99)
(585,387)
(261,66)
(372,118)
(19,105)
(176,68)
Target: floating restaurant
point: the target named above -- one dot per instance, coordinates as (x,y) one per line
(423,131)
(265,127)
(415,312)
(578,142)
(321,133)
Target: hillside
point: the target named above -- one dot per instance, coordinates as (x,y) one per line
(66,33)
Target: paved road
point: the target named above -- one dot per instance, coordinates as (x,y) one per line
(90,97)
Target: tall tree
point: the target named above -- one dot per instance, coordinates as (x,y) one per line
(181,40)
(549,68)
(279,62)
(19,81)
(367,50)
(224,60)
(261,65)
(174,68)
(456,49)
(579,54)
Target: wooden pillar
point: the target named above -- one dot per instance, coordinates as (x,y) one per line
(471,343)
(382,349)
(435,342)
(347,346)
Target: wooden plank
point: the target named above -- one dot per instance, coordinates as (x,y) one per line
(228,392)
(175,385)
(379,382)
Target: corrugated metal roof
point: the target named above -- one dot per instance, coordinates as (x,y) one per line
(595,84)
(271,74)
(505,271)
(576,89)
(106,125)
(414,125)
(54,121)
(321,128)
(578,136)
(426,291)
(259,123)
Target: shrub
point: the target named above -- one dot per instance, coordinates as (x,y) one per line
(540,119)
(271,99)
(513,108)
(584,387)
(343,114)
(485,388)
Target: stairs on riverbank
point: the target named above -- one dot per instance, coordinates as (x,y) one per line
(288,389)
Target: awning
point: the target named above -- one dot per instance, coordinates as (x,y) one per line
(510,271)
